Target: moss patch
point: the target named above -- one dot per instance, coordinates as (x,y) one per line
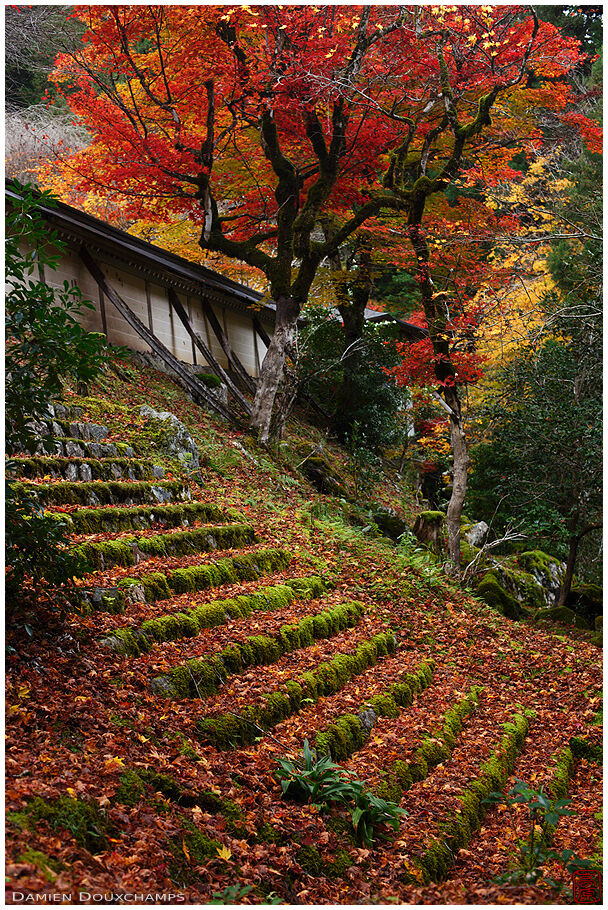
(92,521)
(84,820)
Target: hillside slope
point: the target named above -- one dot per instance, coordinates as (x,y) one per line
(228,613)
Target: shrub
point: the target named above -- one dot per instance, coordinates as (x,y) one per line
(45,345)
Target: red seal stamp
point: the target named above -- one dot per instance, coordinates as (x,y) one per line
(587,886)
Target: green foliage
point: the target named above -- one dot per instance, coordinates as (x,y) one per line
(231,894)
(543,814)
(321,781)
(542,465)
(373,399)
(45,345)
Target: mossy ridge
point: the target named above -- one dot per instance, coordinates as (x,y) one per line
(123,552)
(457,830)
(582,748)
(137,518)
(101,468)
(436,748)
(198,678)
(48,865)
(314,863)
(133,786)
(190,848)
(132,642)
(105,491)
(349,732)
(84,820)
(227,731)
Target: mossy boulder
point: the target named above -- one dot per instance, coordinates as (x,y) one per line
(525,582)
(427,528)
(323,476)
(389,523)
(586,600)
(495,595)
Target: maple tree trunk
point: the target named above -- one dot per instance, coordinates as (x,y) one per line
(273,367)
(459,478)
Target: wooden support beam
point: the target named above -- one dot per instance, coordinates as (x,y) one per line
(206,352)
(198,390)
(221,336)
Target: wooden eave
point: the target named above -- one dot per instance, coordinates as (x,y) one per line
(117,248)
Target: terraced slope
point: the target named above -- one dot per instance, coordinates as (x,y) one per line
(216,625)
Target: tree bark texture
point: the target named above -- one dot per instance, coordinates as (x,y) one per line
(272,367)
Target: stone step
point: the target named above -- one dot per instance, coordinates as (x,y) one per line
(163,585)
(201,677)
(114,519)
(130,551)
(75,429)
(66,447)
(133,640)
(454,829)
(86,469)
(105,492)
(231,730)
(348,732)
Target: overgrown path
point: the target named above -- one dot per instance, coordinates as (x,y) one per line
(220,618)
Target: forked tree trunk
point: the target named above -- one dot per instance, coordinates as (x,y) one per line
(272,369)
(459,482)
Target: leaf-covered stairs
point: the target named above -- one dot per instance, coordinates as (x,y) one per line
(217,638)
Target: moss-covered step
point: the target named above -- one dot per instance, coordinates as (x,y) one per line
(138,518)
(350,731)
(75,429)
(227,731)
(85,821)
(436,747)
(134,786)
(199,678)
(105,492)
(457,829)
(86,469)
(133,641)
(66,447)
(129,551)
(161,585)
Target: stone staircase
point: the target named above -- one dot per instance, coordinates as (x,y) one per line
(223,625)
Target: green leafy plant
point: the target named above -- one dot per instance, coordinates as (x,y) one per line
(317,780)
(45,346)
(535,851)
(231,894)
(322,781)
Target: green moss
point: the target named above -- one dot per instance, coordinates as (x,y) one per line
(314,863)
(131,789)
(458,827)
(198,678)
(200,849)
(226,731)
(84,820)
(90,521)
(48,865)
(582,748)
(495,595)
(106,492)
(562,615)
